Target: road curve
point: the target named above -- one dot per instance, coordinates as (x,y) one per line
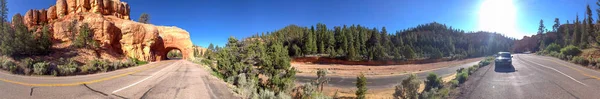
(533,77)
(380,82)
(171,79)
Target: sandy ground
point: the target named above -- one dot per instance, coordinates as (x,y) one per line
(353,70)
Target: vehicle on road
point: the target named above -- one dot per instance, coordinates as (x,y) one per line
(503,59)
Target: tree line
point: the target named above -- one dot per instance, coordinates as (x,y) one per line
(17,40)
(580,33)
(269,54)
(360,43)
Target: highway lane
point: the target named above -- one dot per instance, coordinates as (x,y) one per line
(172,79)
(533,77)
(381,82)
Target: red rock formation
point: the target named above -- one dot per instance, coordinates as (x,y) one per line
(111,26)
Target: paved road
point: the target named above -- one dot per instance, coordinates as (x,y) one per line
(533,77)
(381,82)
(172,79)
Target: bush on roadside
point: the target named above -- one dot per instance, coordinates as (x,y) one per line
(41,68)
(570,50)
(441,93)
(472,69)
(27,63)
(454,83)
(67,69)
(8,65)
(409,88)
(553,48)
(462,75)
(433,81)
(138,62)
(580,61)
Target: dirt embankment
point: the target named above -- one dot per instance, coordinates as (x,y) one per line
(310,69)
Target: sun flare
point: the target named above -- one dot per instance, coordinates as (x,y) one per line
(498,16)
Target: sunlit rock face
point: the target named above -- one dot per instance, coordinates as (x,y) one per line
(111,27)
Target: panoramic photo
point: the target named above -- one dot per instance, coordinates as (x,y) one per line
(299,49)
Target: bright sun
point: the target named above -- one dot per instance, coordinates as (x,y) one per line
(498,16)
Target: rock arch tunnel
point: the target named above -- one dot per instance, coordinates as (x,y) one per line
(172,39)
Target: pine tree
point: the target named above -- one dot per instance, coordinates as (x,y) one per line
(211,47)
(589,26)
(144,18)
(310,45)
(556,25)
(576,32)
(541,31)
(361,85)
(321,35)
(5,35)
(567,34)
(584,34)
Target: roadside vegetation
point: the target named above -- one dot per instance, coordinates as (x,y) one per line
(568,41)
(435,87)
(570,53)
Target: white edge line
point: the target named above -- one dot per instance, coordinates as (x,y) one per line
(140,80)
(558,72)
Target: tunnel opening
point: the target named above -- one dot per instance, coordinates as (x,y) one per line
(174,54)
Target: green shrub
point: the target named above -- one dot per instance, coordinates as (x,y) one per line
(462,75)
(117,65)
(27,63)
(361,85)
(408,88)
(67,69)
(553,48)
(129,63)
(580,60)
(5,63)
(454,83)
(266,94)
(8,65)
(472,69)
(433,81)
(570,50)
(138,62)
(40,68)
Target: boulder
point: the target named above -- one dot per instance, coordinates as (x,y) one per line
(51,13)
(61,8)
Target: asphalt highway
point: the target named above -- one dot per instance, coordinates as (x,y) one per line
(171,79)
(533,77)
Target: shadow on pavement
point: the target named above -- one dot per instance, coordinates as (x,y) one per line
(504,69)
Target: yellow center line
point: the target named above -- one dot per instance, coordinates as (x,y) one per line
(578,70)
(79,83)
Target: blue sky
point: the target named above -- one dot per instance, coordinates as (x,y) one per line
(213,21)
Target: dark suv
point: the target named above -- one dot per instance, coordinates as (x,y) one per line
(503,58)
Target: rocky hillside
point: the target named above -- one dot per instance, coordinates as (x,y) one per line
(112,28)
